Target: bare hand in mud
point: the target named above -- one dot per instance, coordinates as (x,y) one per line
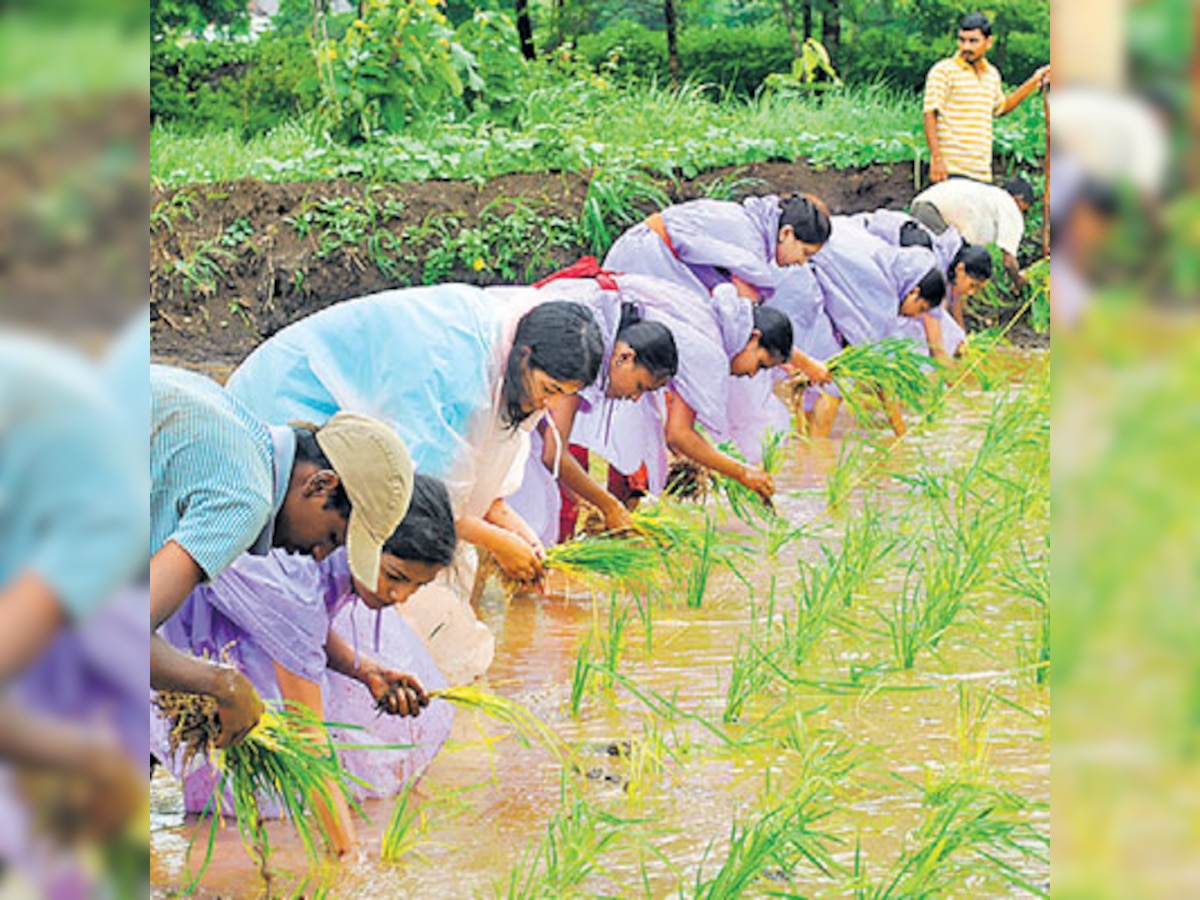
(238,706)
(518,559)
(396,693)
(760,482)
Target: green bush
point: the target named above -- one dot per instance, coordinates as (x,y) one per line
(247,88)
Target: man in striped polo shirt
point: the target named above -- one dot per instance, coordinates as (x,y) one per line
(962,96)
(223,483)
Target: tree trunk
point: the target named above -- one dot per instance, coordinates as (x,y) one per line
(808,19)
(525,29)
(790,20)
(672,42)
(831,29)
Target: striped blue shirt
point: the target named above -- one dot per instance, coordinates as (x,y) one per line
(219,474)
(71,491)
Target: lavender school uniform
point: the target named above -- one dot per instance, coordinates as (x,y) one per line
(279,609)
(710,240)
(630,433)
(885,224)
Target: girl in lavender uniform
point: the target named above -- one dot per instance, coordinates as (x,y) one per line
(716,338)
(749,247)
(873,291)
(295,628)
(464,375)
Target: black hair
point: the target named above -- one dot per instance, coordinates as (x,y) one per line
(1020,188)
(563,340)
(977,262)
(652,343)
(426,534)
(309,451)
(932,288)
(776,331)
(808,216)
(976,21)
(913,234)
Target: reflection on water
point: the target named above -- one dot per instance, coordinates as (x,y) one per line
(905,728)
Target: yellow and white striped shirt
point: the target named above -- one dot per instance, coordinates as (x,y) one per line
(966,103)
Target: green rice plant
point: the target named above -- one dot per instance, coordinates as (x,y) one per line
(906,622)
(778,840)
(612,642)
(972,841)
(528,728)
(289,759)
(848,474)
(1030,578)
(407,826)
(702,563)
(607,558)
(745,504)
(753,671)
(983,355)
(578,837)
(893,367)
(580,674)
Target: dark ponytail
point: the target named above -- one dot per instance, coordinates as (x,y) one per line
(559,337)
(913,234)
(652,343)
(808,216)
(977,262)
(776,331)
(426,534)
(932,288)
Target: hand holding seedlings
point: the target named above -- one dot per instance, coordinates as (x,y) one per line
(758,481)
(238,706)
(396,693)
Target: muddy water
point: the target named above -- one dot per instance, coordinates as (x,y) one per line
(487,797)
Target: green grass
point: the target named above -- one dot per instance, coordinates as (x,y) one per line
(572,127)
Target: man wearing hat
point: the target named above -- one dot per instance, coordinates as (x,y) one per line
(225,483)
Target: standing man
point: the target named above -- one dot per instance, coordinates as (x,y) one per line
(981,213)
(962,95)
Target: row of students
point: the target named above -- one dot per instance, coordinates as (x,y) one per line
(496,394)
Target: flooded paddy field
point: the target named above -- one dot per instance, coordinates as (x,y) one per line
(856,706)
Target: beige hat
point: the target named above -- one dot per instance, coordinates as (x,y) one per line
(377,472)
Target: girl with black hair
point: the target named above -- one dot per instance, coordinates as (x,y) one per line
(714,338)
(293,628)
(703,245)
(464,374)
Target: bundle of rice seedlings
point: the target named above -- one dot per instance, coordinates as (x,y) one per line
(287,758)
(608,558)
(893,367)
(746,505)
(670,527)
(528,727)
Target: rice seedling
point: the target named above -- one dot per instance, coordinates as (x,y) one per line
(892,367)
(744,503)
(528,728)
(973,841)
(629,563)
(580,673)
(612,642)
(701,568)
(753,671)
(1030,578)
(578,837)
(847,475)
(982,355)
(778,840)
(287,760)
